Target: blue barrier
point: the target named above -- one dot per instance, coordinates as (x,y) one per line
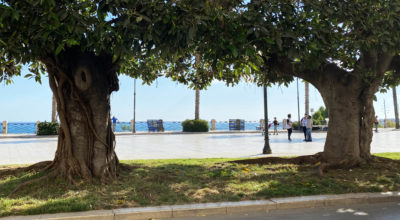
(30,127)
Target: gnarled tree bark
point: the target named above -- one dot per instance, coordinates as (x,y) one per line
(82,83)
(348,96)
(351,115)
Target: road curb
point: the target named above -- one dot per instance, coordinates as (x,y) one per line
(221,208)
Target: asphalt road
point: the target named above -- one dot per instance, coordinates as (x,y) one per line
(381,211)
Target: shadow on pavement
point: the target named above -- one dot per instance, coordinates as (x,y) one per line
(232,136)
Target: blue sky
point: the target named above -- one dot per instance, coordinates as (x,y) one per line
(28,101)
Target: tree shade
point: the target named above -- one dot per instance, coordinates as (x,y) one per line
(346,49)
(83,46)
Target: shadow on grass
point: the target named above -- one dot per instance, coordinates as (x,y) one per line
(173,183)
(9,183)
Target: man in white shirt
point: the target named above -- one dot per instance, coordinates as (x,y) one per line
(309,128)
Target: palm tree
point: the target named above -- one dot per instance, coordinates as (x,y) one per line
(197,98)
(307,98)
(197,105)
(396,112)
(54,110)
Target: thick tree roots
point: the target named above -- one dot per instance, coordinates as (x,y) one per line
(50,175)
(384,160)
(52,172)
(317,161)
(41,166)
(82,83)
(37,167)
(308,159)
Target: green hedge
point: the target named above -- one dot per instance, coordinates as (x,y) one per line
(47,128)
(295,125)
(316,129)
(195,125)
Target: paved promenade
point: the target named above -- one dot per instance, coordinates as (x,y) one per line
(23,150)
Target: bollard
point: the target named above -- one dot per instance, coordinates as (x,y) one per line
(5,125)
(37,127)
(213,121)
(133,127)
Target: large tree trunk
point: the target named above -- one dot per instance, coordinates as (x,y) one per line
(82,84)
(351,117)
(348,96)
(396,111)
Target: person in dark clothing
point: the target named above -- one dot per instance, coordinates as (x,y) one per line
(276,123)
(289,126)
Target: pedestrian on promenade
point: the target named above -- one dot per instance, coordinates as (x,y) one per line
(289,126)
(114,123)
(376,123)
(304,125)
(309,128)
(276,123)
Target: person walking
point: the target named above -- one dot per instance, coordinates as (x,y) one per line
(376,122)
(289,126)
(304,126)
(309,129)
(276,123)
(114,123)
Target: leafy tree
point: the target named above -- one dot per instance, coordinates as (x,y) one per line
(320,116)
(391,81)
(324,112)
(317,118)
(343,48)
(84,46)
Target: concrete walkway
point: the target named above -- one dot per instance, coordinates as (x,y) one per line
(17,149)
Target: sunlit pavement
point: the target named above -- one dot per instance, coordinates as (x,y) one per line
(19,150)
(381,211)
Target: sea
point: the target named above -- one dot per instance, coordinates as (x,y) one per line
(141,126)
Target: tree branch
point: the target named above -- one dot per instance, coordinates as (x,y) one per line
(395,64)
(384,63)
(317,76)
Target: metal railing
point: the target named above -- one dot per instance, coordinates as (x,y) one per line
(31,127)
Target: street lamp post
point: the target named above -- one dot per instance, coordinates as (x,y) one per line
(267,148)
(134,107)
(298,104)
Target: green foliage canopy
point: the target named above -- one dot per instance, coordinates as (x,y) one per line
(272,41)
(352,35)
(261,41)
(320,116)
(145,38)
